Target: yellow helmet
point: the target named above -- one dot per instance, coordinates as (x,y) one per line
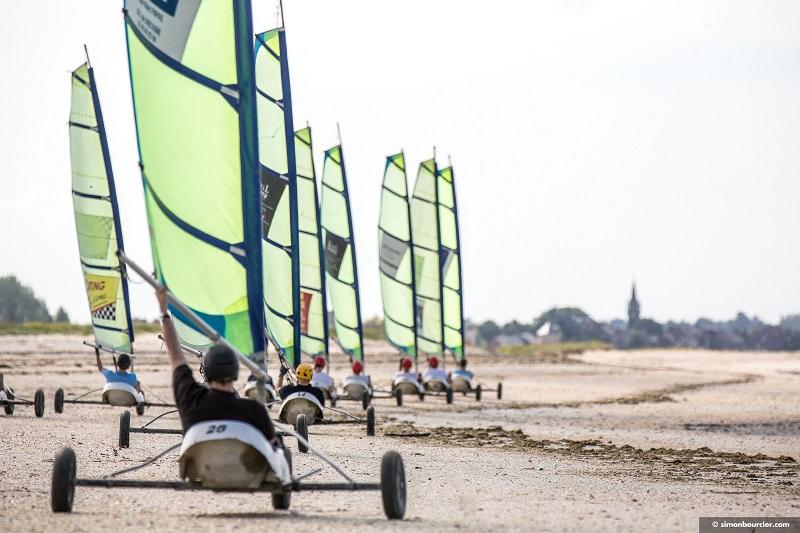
(304,371)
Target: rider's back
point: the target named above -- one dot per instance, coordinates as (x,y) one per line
(197,403)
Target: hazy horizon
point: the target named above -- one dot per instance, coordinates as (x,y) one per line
(593,144)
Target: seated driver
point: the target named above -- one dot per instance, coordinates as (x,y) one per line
(434,372)
(357,375)
(462,371)
(405,372)
(122,375)
(321,379)
(219,400)
(304,373)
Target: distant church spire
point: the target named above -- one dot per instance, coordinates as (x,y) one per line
(633,308)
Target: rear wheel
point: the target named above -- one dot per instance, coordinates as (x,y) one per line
(478,393)
(283,500)
(125,429)
(370,421)
(38,403)
(62,483)
(139,409)
(58,401)
(398,396)
(9,407)
(393,485)
(448,395)
(366,399)
(301,427)
(500,391)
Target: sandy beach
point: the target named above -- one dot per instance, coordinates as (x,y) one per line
(601,441)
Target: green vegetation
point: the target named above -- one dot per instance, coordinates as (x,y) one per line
(559,348)
(19,304)
(373,329)
(65,328)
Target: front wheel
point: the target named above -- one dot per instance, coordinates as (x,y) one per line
(140,409)
(448,395)
(125,429)
(301,427)
(393,485)
(500,391)
(398,396)
(62,483)
(58,401)
(478,393)
(38,403)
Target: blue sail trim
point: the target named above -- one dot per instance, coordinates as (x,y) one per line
(112,192)
(251,188)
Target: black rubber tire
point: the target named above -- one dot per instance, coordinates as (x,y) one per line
(282,501)
(2,382)
(422,396)
(140,409)
(9,407)
(393,485)
(333,401)
(398,396)
(448,396)
(478,393)
(62,482)
(301,426)
(370,421)
(125,429)
(38,403)
(58,401)
(500,391)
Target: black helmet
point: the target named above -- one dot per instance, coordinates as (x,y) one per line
(124,361)
(220,364)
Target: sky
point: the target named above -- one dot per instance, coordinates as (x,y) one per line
(594,143)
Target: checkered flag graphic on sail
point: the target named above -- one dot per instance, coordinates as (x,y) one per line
(108,312)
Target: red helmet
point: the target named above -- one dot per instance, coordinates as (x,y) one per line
(319,361)
(357,367)
(433,362)
(406,363)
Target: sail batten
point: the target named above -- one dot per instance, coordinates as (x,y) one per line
(97,219)
(341,269)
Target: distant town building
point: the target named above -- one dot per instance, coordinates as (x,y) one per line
(633,309)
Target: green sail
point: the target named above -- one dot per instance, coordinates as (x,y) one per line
(191,67)
(278,195)
(97,217)
(425,224)
(313,305)
(450,251)
(340,255)
(396,252)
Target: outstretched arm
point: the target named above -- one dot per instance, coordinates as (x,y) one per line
(176,357)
